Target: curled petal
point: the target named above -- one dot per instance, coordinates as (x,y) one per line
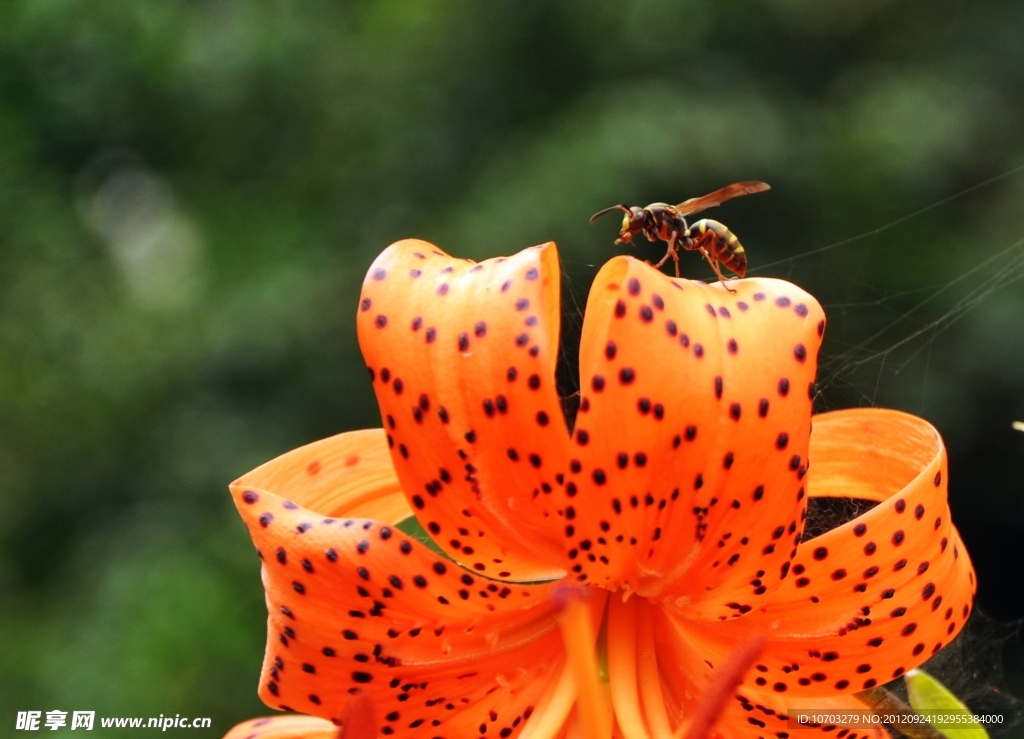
(356,607)
(284,727)
(754,713)
(348,475)
(692,436)
(879,595)
(692,658)
(462,357)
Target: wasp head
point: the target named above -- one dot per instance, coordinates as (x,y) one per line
(633,222)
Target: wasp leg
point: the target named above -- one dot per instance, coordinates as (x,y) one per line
(714,266)
(671,252)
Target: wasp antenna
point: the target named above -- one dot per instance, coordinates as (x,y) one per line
(606,211)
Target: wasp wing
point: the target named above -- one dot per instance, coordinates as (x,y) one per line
(695,205)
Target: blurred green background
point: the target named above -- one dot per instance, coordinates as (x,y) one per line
(191,192)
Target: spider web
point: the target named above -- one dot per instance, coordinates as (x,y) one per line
(972,668)
(900,333)
(890,349)
(903,326)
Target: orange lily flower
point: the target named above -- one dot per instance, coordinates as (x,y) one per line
(677,502)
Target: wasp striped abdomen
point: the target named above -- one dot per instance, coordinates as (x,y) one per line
(719,242)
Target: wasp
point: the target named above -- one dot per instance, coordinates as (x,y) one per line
(668,223)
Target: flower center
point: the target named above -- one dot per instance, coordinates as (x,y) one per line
(629,703)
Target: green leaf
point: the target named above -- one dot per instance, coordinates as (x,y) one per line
(928,694)
(412,527)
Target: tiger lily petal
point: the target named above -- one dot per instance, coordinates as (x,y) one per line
(350,599)
(284,727)
(677,500)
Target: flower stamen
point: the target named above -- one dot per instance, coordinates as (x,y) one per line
(721,689)
(576,622)
(622,677)
(549,718)
(358,720)
(649,677)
